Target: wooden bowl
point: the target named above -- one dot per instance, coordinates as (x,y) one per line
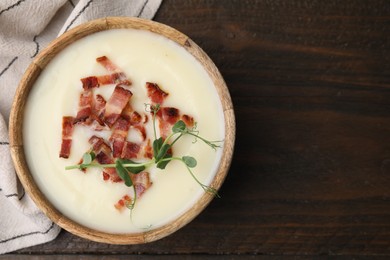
(17,116)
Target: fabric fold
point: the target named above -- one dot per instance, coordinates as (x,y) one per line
(27,27)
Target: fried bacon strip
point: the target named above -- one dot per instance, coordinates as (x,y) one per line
(91,110)
(155,93)
(130,150)
(147,150)
(85,106)
(137,121)
(168,116)
(141,182)
(117,76)
(99,105)
(117,102)
(123,202)
(108,64)
(134,117)
(67,131)
(114,78)
(119,135)
(188,120)
(90,82)
(97,81)
(103,154)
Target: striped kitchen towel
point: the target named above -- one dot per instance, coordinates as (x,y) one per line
(26,27)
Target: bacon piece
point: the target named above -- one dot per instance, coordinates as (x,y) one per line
(136,120)
(117,147)
(101,149)
(97,81)
(119,135)
(99,105)
(115,78)
(85,106)
(89,82)
(155,93)
(118,76)
(104,156)
(165,129)
(130,150)
(134,117)
(141,182)
(113,175)
(67,131)
(107,63)
(167,116)
(106,176)
(188,120)
(117,102)
(96,121)
(147,150)
(91,110)
(128,110)
(123,202)
(108,79)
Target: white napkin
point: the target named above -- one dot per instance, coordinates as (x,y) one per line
(26,27)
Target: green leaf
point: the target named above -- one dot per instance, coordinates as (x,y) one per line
(163,151)
(189,161)
(88,158)
(157,146)
(123,173)
(132,169)
(179,126)
(162,164)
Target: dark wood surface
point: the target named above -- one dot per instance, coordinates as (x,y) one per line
(310,82)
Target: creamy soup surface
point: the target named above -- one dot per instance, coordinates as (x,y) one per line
(86,197)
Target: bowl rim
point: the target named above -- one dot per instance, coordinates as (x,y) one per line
(17,116)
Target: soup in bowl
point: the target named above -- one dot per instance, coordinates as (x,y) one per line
(122,130)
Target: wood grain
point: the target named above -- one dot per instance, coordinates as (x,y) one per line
(310,84)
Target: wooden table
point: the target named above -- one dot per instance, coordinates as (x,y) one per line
(310,82)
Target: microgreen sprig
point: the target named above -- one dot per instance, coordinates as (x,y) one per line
(161,156)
